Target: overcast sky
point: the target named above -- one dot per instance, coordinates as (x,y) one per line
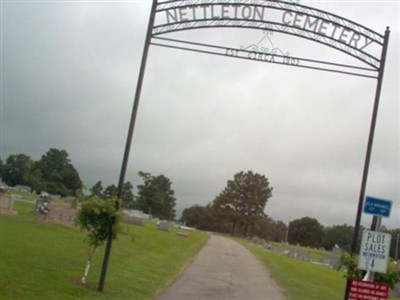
(68,78)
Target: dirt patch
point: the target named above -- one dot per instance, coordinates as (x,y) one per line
(87,285)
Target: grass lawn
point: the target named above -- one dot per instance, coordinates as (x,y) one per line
(39,260)
(301,280)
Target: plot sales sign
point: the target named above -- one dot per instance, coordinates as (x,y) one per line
(374,251)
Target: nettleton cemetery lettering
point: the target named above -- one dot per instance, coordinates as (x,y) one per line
(216,12)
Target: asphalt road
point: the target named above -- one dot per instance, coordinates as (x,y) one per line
(223,270)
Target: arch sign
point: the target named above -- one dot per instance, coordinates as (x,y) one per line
(286,17)
(366,47)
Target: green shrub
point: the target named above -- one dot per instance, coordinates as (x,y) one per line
(97,217)
(391,277)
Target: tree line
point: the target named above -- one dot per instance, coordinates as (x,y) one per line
(306,231)
(239,209)
(155,195)
(53,173)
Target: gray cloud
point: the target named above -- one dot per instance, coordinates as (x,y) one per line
(69,74)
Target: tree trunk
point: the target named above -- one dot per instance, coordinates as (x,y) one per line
(92,251)
(240,228)
(251,230)
(246,230)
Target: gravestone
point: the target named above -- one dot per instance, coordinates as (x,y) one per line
(299,255)
(135,220)
(335,256)
(303,255)
(163,226)
(62,214)
(182,234)
(23,188)
(327,261)
(7,205)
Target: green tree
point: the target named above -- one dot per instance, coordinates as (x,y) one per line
(96,217)
(147,193)
(59,175)
(350,263)
(17,169)
(243,201)
(200,217)
(156,196)
(36,179)
(341,235)
(270,230)
(306,231)
(127,196)
(1,168)
(395,233)
(97,189)
(166,198)
(110,191)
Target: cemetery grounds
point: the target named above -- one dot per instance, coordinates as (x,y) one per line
(42,260)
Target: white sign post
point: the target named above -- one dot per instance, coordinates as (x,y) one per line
(374,251)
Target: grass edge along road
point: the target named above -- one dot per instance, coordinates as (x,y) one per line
(39,260)
(301,280)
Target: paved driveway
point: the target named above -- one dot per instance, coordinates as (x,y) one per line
(223,270)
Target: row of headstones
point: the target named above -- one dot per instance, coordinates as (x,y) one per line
(28,190)
(63,214)
(58,213)
(137,220)
(331,260)
(52,212)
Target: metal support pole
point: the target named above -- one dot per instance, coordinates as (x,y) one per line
(129,139)
(369,151)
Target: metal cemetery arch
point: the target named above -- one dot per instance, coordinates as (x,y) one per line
(366,46)
(284,17)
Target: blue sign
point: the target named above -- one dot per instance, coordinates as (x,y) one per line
(377,207)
